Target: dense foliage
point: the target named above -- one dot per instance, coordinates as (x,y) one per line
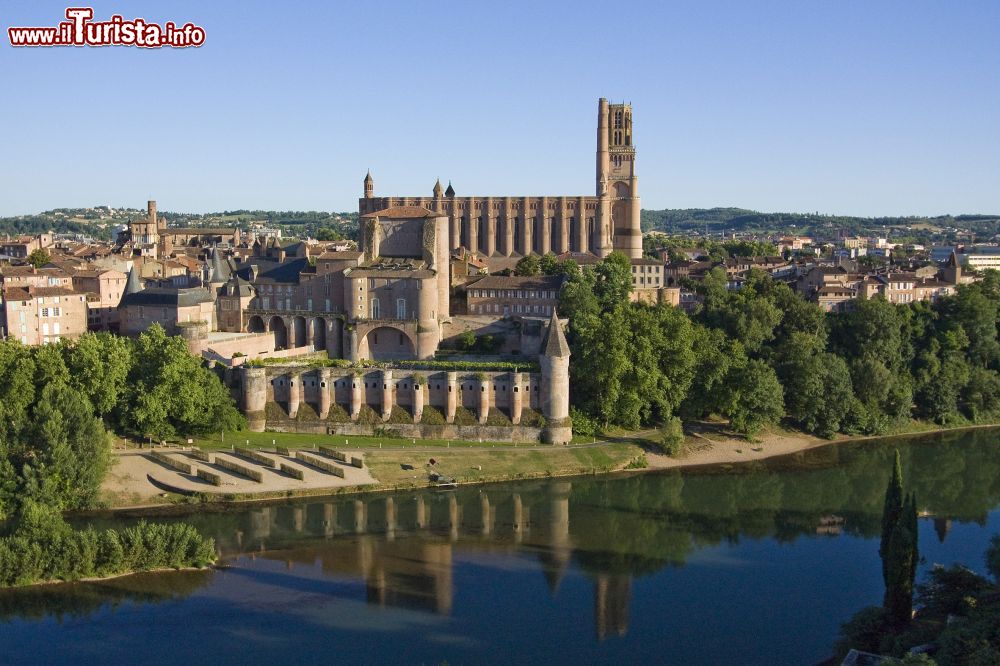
(700,220)
(58,401)
(763,352)
(44,548)
(958,616)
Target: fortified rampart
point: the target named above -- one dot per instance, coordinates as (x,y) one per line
(498,406)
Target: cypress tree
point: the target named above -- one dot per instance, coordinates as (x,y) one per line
(898,548)
(891,511)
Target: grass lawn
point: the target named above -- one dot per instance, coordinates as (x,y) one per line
(478,464)
(302,441)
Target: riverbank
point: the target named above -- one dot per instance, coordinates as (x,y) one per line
(408,465)
(702,450)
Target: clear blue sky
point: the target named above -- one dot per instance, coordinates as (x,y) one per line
(865,108)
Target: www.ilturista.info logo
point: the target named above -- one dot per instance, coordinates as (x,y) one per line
(80,30)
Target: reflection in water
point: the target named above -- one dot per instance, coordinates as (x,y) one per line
(78,600)
(403,551)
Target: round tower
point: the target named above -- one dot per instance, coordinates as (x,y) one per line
(554,361)
(254,397)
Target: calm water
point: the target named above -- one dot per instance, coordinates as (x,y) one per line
(748,566)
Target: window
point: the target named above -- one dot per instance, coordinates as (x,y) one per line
(375,312)
(45,312)
(401,309)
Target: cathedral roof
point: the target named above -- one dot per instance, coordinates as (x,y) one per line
(403,212)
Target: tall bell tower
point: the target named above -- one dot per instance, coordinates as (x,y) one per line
(617,184)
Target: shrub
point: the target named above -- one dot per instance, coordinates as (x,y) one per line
(672,439)
(27,558)
(583,425)
(432,416)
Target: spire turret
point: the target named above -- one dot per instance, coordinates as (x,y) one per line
(438,190)
(450,192)
(134,284)
(218,273)
(555,343)
(369,185)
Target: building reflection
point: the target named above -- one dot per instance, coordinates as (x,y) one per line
(402,548)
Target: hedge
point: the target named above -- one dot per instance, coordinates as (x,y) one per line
(357,462)
(319,464)
(253,474)
(333,453)
(211,477)
(198,454)
(255,456)
(450,366)
(293,471)
(282,451)
(170,462)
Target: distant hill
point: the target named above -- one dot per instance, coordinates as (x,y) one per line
(690,220)
(100,221)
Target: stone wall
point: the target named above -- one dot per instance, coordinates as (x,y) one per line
(414,431)
(500,406)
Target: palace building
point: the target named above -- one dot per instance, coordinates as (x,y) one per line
(505,228)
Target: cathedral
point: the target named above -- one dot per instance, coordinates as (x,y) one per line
(503,229)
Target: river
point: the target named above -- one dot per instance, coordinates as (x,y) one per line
(747,565)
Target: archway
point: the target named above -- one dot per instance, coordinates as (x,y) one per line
(384,343)
(298,332)
(319,333)
(277,325)
(256,324)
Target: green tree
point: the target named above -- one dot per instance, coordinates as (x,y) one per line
(613,281)
(898,548)
(755,398)
(549,265)
(71,445)
(39,258)
(99,366)
(818,391)
(715,355)
(528,266)
(171,394)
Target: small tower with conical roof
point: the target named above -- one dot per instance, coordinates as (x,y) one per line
(369,186)
(438,190)
(450,192)
(134,284)
(217,273)
(554,361)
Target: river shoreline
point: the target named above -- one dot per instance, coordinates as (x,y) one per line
(701,455)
